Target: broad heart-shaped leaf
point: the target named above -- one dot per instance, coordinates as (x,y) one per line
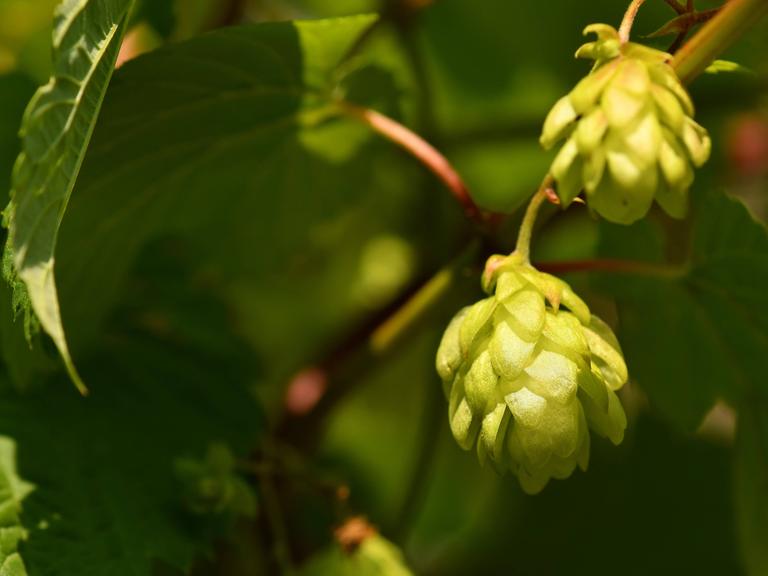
(220,140)
(751,484)
(702,335)
(107,499)
(56,130)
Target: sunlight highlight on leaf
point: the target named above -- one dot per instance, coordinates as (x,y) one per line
(56,130)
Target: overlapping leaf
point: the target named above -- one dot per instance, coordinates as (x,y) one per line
(107,500)
(703,334)
(56,130)
(225,139)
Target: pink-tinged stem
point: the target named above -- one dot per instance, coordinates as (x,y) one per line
(629,20)
(613,265)
(423,151)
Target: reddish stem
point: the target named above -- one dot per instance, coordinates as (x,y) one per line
(422,151)
(629,20)
(612,265)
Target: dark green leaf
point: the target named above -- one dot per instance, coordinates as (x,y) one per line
(751,484)
(703,335)
(107,499)
(157,13)
(15,91)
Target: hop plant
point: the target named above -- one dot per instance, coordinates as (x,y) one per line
(629,132)
(527,371)
(212,485)
(359,550)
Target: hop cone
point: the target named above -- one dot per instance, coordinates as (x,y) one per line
(527,372)
(629,133)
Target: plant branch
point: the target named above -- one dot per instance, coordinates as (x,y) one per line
(683,23)
(543,194)
(629,20)
(733,19)
(273,514)
(676,6)
(339,370)
(420,149)
(614,265)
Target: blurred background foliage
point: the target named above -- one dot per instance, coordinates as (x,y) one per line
(272,259)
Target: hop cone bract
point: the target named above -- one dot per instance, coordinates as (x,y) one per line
(527,371)
(629,132)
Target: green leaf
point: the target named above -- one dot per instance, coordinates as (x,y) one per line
(157,13)
(15,91)
(703,334)
(107,497)
(246,164)
(12,491)
(751,484)
(56,130)
(726,66)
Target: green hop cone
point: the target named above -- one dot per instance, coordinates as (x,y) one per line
(527,372)
(629,132)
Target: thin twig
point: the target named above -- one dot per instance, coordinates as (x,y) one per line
(543,194)
(273,513)
(729,24)
(422,150)
(629,20)
(373,340)
(683,25)
(678,41)
(614,265)
(676,6)
(684,22)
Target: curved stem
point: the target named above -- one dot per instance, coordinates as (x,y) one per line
(421,150)
(523,246)
(733,19)
(629,20)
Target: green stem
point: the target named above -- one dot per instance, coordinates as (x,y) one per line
(735,18)
(629,20)
(523,246)
(395,326)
